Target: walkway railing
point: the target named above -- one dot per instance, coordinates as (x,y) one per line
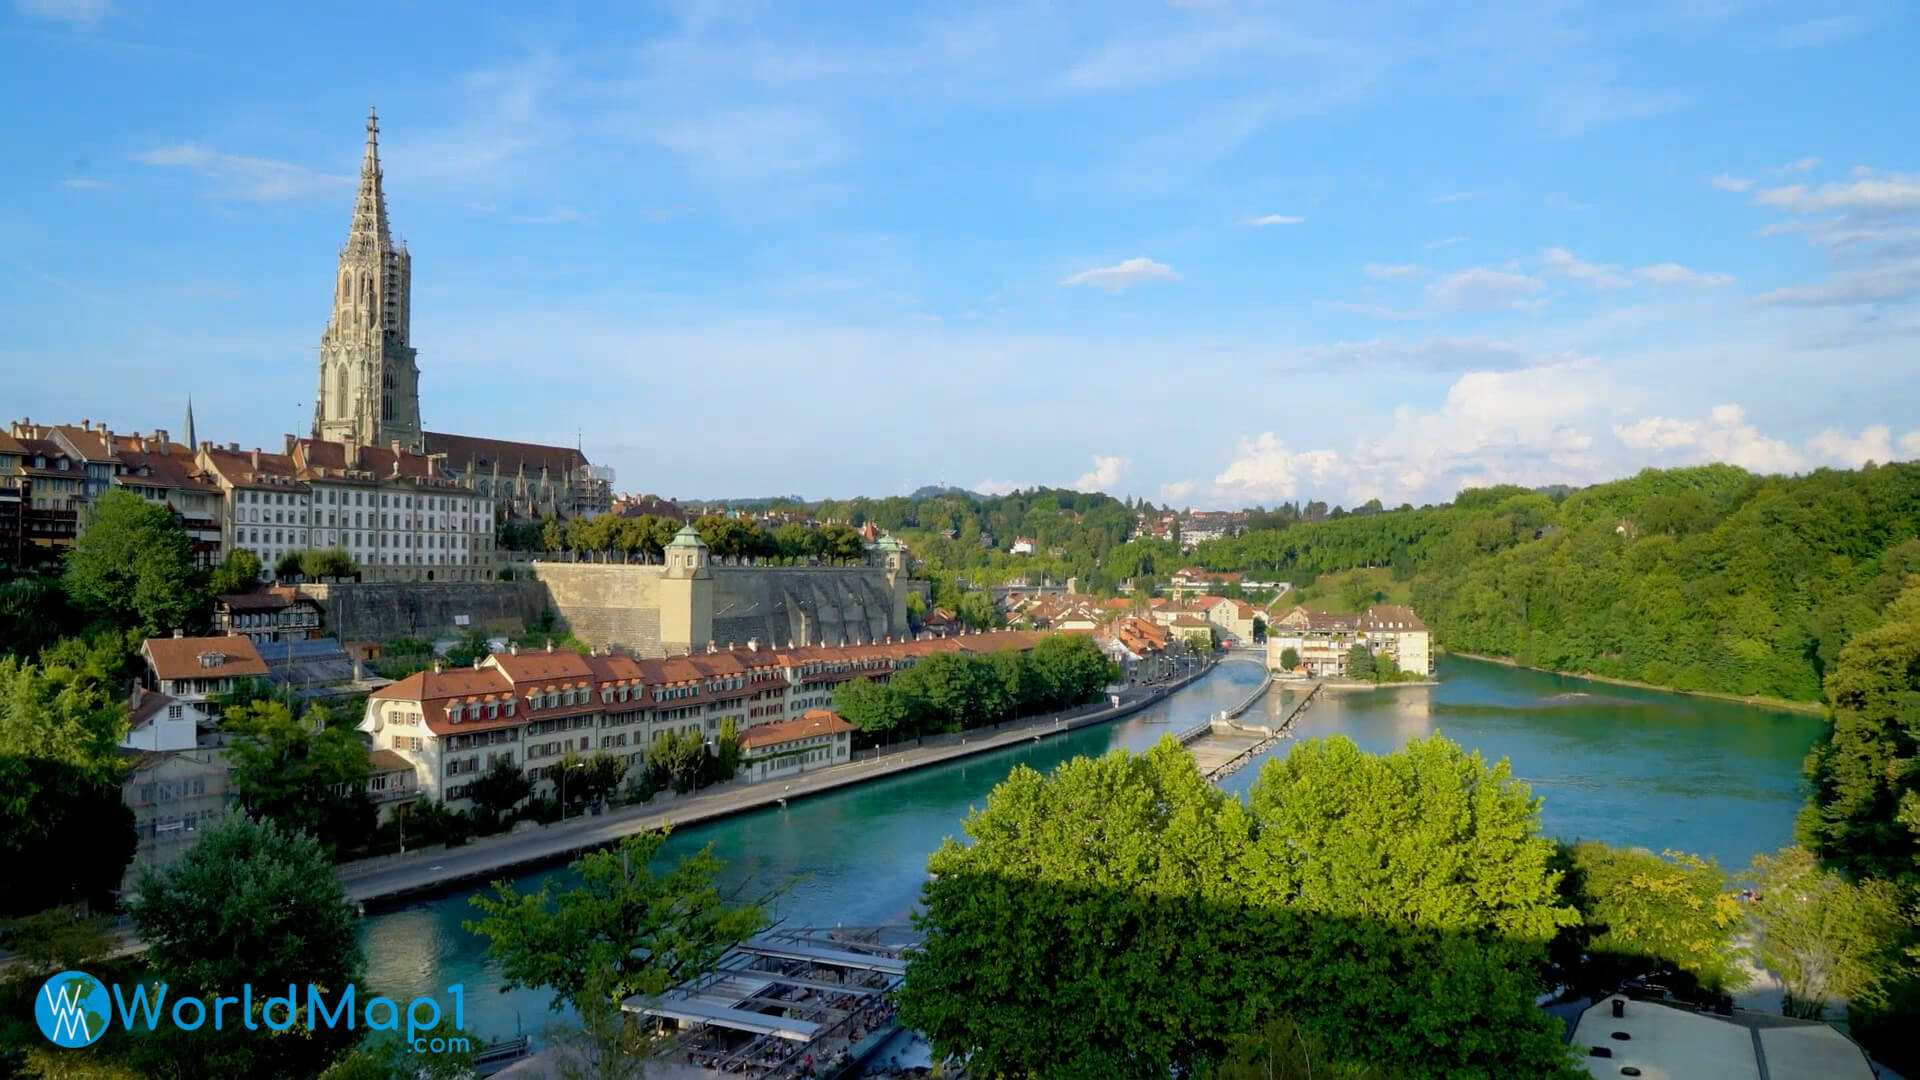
(1240,760)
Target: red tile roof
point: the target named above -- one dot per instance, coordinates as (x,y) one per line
(232,656)
(815,722)
(559,461)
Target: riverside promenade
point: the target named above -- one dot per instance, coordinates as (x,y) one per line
(393,878)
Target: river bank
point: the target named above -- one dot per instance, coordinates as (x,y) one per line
(393,878)
(1809,708)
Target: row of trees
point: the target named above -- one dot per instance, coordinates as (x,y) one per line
(954,691)
(645,538)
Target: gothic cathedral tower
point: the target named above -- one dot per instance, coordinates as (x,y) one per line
(369,385)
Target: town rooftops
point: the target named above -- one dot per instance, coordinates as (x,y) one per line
(273,598)
(815,722)
(147,704)
(511,457)
(386,761)
(232,656)
(1190,622)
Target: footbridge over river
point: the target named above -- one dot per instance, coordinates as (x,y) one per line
(1223,746)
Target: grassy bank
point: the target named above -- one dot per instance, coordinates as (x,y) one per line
(1810,708)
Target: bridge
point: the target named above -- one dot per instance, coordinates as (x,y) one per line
(1222,746)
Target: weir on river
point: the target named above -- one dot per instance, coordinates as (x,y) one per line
(1622,765)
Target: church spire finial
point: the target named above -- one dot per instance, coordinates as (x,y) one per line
(369,230)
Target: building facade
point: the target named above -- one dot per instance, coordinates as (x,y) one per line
(535,708)
(1323,641)
(195,671)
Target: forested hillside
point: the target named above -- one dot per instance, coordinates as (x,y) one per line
(1706,578)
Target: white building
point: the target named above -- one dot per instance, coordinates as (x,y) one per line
(788,748)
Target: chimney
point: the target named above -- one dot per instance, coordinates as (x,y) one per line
(292,444)
(206,446)
(359,672)
(476,663)
(513,648)
(254,457)
(351,449)
(177,632)
(549,644)
(85,425)
(712,648)
(437,664)
(753,644)
(394,445)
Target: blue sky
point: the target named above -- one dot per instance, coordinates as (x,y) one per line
(1212,252)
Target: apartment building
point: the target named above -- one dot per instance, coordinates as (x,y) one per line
(1324,640)
(532,708)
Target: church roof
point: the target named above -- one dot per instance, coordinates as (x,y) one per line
(484,453)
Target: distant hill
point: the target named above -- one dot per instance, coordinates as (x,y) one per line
(934,491)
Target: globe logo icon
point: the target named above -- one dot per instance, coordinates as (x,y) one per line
(72,1009)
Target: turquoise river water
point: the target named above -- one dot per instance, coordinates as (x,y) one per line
(1627,766)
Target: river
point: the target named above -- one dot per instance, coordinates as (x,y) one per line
(1623,765)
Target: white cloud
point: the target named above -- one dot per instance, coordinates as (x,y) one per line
(1727,436)
(1481,289)
(85,183)
(1871,285)
(1457,196)
(1391,271)
(1518,426)
(1138,270)
(1673,274)
(1105,475)
(1874,443)
(1275,219)
(1872,194)
(1265,470)
(1179,489)
(1732,183)
(1564,263)
(1724,436)
(246,178)
(1805,164)
(85,13)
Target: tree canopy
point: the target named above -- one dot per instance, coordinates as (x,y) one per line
(133,567)
(293,771)
(1122,918)
(957,690)
(624,930)
(249,903)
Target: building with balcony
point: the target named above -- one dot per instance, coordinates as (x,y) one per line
(783,750)
(195,671)
(273,614)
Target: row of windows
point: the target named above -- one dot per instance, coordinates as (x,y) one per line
(161,791)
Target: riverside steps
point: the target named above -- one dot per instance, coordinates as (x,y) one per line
(1223,746)
(389,879)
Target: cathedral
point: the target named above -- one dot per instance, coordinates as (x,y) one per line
(369,384)
(369,391)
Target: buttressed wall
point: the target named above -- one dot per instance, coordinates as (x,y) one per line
(639,608)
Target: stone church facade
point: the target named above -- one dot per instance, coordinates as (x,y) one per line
(369,392)
(369,381)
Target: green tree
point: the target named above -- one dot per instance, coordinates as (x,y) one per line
(500,789)
(1289,658)
(1398,906)
(133,567)
(1641,912)
(333,562)
(605,1044)
(305,774)
(288,565)
(675,758)
(386,1056)
(1412,878)
(1359,662)
(1281,1049)
(870,706)
(1827,938)
(249,903)
(842,543)
(63,821)
(1081,933)
(239,572)
(1862,771)
(623,931)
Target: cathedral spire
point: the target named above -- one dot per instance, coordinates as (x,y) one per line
(193,442)
(369,232)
